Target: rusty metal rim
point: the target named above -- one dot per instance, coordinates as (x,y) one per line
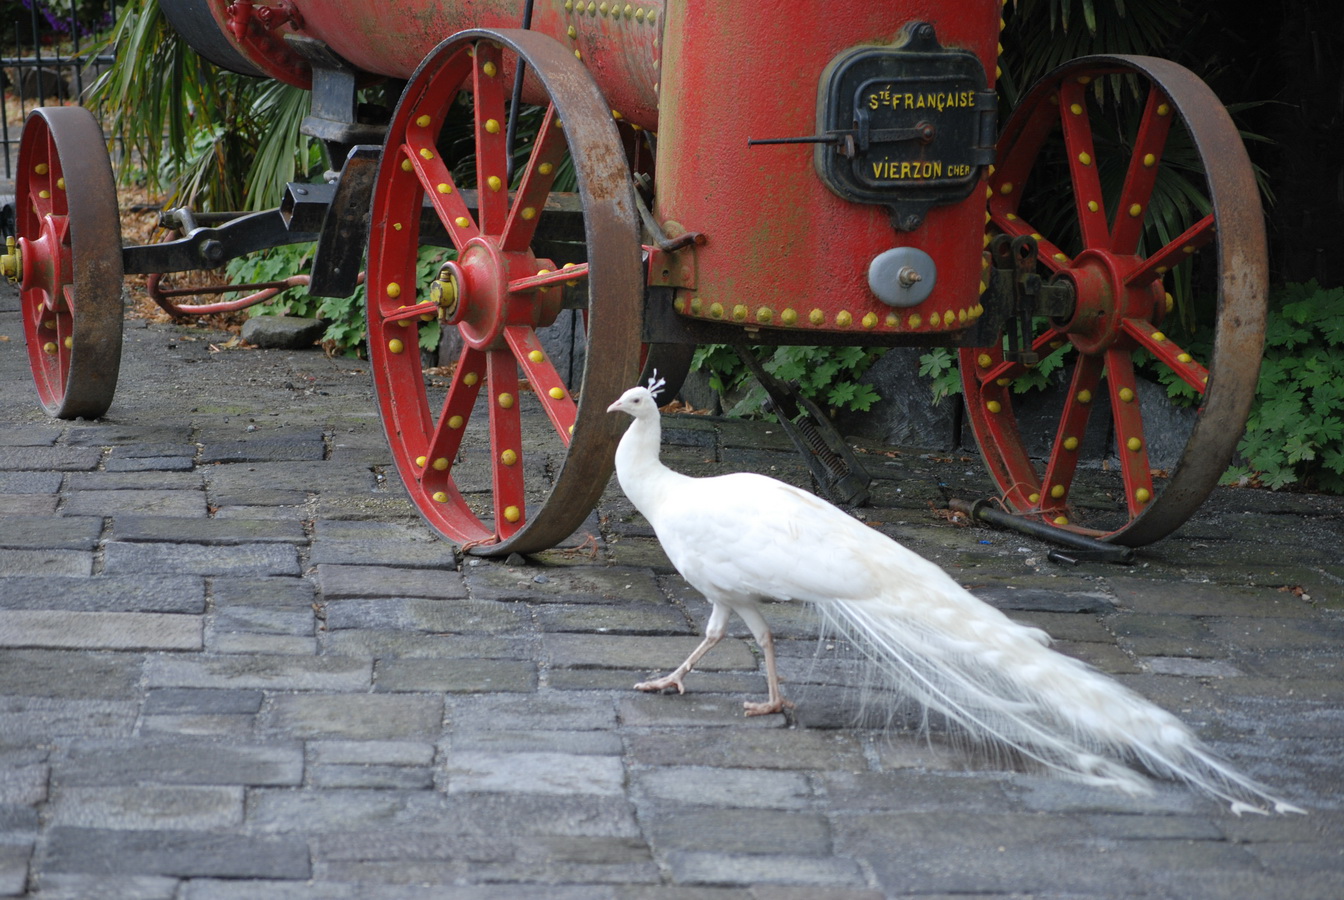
(1242,291)
(70,140)
(615,282)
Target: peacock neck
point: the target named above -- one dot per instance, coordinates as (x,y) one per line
(641,473)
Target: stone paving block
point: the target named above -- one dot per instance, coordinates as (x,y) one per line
(109,434)
(542,712)
(1190,668)
(79,886)
(243,479)
(52,459)
(747,869)
(160,486)
(46,562)
(376,777)
(525,740)
(105,593)
(70,675)
(1278,633)
(14,857)
(614,618)
(176,761)
(264,450)
(64,630)
(150,464)
(202,702)
(421,554)
(144,807)
(642,710)
(287,673)
(624,680)
(769,748)
(339,582)
(23,785)
(437,616)
(192,530)
(384,644)
(28,504)
(186,854)
(732,831)
(725,787)
(247,560)
(385,753)
(280,620)
(257,498)
(61,533)
(580,584)
(454,675)
(251,644)
(638,653)
(38,482)
(153,502)
(354,716)
(349,810)
(534,773)
(921,788)
(1195,599)
(1162,635)
(46,718)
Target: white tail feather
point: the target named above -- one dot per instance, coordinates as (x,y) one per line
(1045,706)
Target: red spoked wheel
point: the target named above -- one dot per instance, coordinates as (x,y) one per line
(510,489)
(1122,261)
(69,267)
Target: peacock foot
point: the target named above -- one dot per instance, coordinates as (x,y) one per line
(662,684)
(768,707)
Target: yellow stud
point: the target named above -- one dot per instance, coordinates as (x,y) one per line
(1061,520)
(444,188)
(440,497)
(1084,396)
(1085,158)
(696,304)
(616,115)
(914,321)
(816,317)
(44,194)
(455,422)
(1093,206)
(1187,249)
(994,406)
(716,310)
(1143,495)
(1033,498)
(470,379)
(1135,210)
(50,348)
(512,514)
(546,168)
(492,126)
(1163,109)
(984,360)
(528,213)
(1003,382)
(490,69)
(639,15)
(1126,395)
(421,461)
(557,393)
(1076,108)
(1084,79)
(949,317)
(572,32)
(395,346)
(765,315)
(1006,188)
(1057,491)
(1171,302)
(679,304)
(41,169)
(1159,336)
(536,355)
(423,120)
(1134,444)
(494,182)
(406,165)
(844,319)
(1060,257)
(740,313)
(870,320)
(393,290)
(441,464)
(461,221)
(789,317)
(1184,358)
(426,153)
(1149,160)
(60,184)
(505,401)
(508,457)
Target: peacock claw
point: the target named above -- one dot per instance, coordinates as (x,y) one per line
(767,708)
(662,684)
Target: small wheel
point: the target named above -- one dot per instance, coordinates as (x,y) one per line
(69,242)
(520,494)
(1123,262)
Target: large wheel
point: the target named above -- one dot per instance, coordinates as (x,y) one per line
(69,241)
(1123,262)
(501,296)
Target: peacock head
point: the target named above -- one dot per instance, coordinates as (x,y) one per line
(640,401)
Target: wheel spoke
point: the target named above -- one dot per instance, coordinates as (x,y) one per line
(1174,253)
(492,148)
(506,442)
(437,184)
(1169,352)
(1077,127)
(1065,451)
(1142,174)
(457,406)
(1013,225)
(535,186)
(545,380)
(1130,444)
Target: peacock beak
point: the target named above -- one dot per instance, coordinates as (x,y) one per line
(615,407)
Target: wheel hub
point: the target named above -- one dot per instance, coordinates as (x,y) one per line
(43,266)
(486,304)
(1104,301)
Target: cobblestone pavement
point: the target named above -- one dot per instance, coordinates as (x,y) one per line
(234,664)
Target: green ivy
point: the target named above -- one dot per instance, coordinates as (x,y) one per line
(827,375)
(344,315)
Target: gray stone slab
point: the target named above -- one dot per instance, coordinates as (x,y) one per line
(188,854)
(769,748)
(70,675)
(652,653)
(542,712)
(576,584)
(23,785)
(148,807)
(1006,597)
(80,886)
(363,644)
(455,675)
(59,533)
(52,459)
(752,869)
(438,616)
(525,740)
(151,464)
(287,673)
(241,642)
(264,450)
(30,482)
(341,581)
(750,788)
(194,530)
(364,753)
(150,501)
(14,867)
(1162,635)
(177,761)
(248,560)
(375,717)
(105,593)
(65,630)
(420,554)
(182,701)
(44,719)
(614,618)
(276,593)
(28,504)
(156,482)
(534,773)
(46,562)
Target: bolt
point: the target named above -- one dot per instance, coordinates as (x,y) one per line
(908,277)
(212,251)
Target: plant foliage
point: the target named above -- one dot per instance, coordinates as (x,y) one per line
(828,375)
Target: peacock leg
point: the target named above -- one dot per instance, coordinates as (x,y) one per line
(766,641)
(714,632)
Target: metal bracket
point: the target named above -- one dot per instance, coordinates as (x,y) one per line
(837,471)
(1084,547)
